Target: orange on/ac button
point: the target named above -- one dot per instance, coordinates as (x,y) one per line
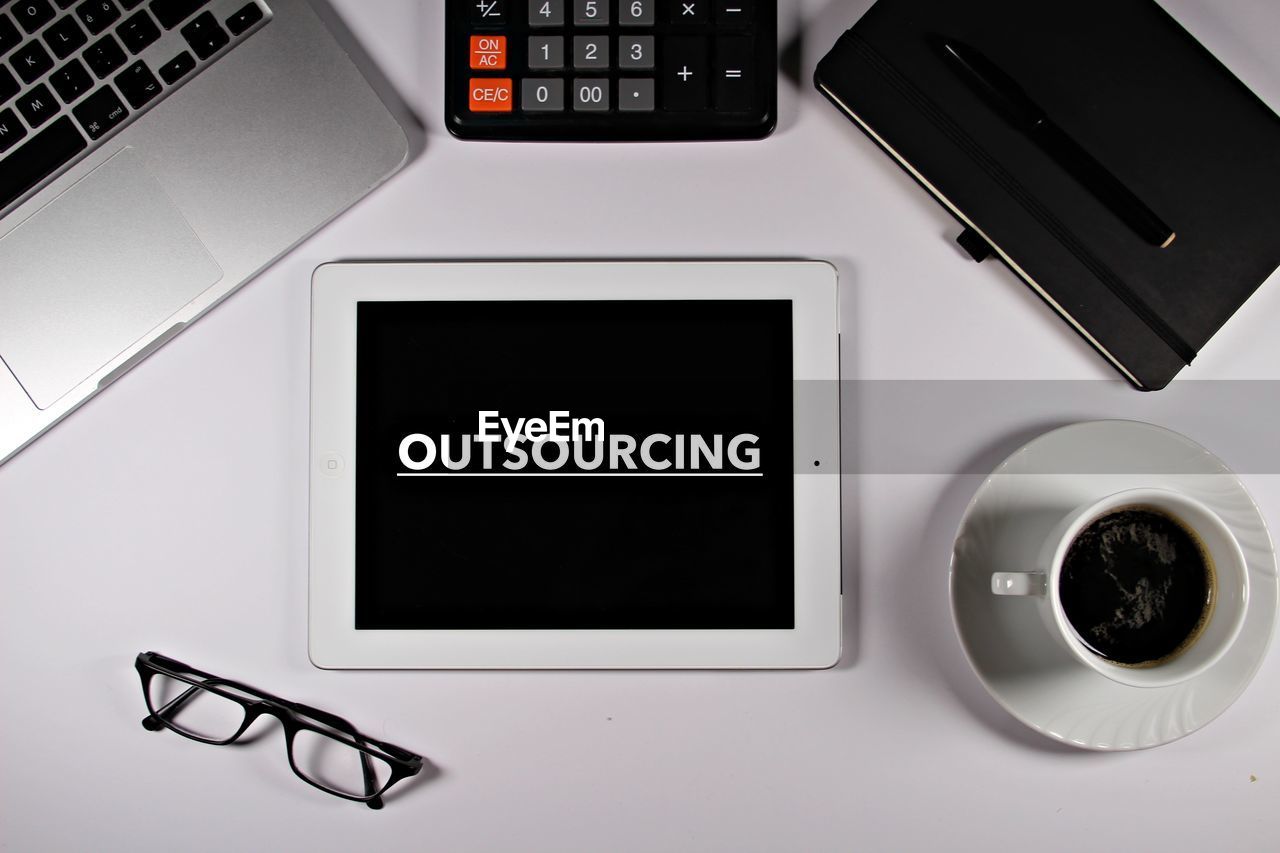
(488,53)
(490,94)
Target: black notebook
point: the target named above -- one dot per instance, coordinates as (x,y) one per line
(1124,82)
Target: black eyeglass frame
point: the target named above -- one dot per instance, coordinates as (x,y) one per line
(293,716)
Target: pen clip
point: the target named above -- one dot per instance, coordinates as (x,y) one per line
(996,87)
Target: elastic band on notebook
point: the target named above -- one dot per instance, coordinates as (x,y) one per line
(1038,211)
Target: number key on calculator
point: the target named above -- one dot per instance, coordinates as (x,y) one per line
(611,69)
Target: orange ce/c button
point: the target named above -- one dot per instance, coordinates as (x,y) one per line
(490,94)
(488,53)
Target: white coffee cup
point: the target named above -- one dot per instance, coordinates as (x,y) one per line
(1230,595)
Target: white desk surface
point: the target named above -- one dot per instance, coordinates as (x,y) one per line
(170,513)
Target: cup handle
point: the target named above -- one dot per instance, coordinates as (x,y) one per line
(1018,583)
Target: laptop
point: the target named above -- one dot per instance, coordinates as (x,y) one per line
(154,156)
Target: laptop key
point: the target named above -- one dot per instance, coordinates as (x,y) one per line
(71,81)
(33,14)
(177,68)
(130,4)
(31,61)
(137,32)
(205,36)
(65,37)
(98,15)
(174,12)
(100,112)
(138,84)
(104,56)
(38,105)
(45,153)
(11,130)
(244,19)
(9,35)
(8,86)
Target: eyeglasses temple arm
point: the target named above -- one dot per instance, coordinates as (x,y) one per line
(153,722)
(366,765)
(370,781)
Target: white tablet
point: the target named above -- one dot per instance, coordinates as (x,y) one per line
(575,465)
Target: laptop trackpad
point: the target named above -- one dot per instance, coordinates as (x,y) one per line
(105,263)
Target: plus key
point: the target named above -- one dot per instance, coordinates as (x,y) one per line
(685,82)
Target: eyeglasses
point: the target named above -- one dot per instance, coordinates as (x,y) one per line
(324,750)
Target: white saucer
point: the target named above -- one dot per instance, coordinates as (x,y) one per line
(1007,644)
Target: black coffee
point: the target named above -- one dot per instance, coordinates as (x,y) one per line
(1137,586)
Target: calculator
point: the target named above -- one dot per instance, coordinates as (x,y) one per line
(620,70)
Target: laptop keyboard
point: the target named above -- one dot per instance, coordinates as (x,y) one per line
(74,72)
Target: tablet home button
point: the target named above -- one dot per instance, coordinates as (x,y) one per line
(332,465)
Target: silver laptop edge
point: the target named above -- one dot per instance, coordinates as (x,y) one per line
(209,186)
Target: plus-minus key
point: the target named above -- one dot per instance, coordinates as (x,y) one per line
(485,12)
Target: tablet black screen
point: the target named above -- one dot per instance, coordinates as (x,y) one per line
(662,500)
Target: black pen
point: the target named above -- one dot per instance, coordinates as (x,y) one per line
(1011,101)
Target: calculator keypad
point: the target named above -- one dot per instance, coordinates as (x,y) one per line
(611,69)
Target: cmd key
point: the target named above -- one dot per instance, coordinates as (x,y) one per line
(100,112)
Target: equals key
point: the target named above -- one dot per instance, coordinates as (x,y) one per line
(734,74)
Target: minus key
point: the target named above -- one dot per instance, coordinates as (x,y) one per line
(738,13)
